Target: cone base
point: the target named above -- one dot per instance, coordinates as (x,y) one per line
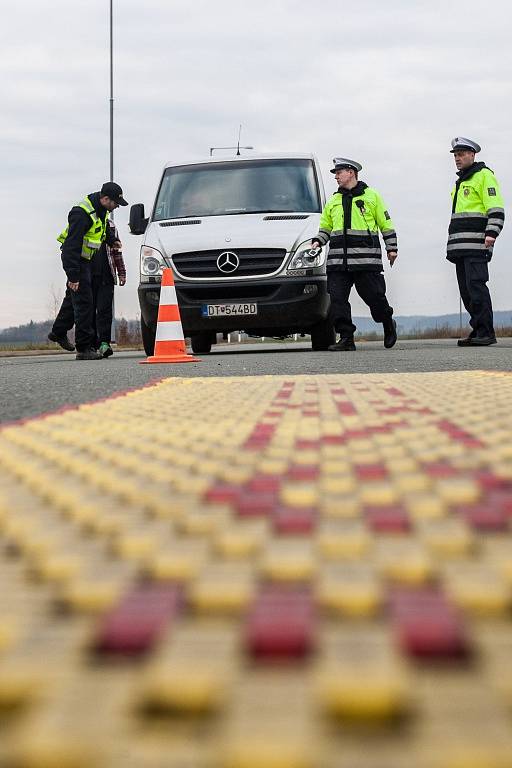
(181,358)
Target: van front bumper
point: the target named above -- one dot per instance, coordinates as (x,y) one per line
(290,305)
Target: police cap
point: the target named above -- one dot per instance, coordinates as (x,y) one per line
(343,162)
(459,142)
(114,192)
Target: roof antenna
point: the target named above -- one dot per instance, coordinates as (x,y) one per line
(238,145)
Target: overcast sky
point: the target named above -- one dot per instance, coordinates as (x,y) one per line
(386,83)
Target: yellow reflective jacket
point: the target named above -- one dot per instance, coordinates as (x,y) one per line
(94,236)
(477,210)
(350,223)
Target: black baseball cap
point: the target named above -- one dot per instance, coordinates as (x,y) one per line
(114,191)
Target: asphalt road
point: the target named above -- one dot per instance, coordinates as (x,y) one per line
(33,385)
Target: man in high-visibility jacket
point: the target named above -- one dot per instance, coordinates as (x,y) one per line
(478,216)
(350,223)
(81,241)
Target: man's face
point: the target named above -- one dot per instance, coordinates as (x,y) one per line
(344,176)
(108,203)
(464,158)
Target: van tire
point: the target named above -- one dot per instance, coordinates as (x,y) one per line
(322,335)
(148,337)
(201,344)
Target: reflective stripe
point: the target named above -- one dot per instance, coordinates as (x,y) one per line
(494,228)
(495,222)
(362,232)
(464,235)
(323,236)
(86,205)
(170,331)
(468,215)
(352,251)
(496,210)
(168,295)
(466,247)
(354,262)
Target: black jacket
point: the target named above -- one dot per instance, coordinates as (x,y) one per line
(79,223)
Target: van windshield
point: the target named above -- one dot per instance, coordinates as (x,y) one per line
(248,186)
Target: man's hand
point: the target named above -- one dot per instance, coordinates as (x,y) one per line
(118,245)
(489,241)
(315,244)
(392,255)
(122,280)
(73,286)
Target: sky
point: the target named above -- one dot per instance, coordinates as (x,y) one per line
(388,84)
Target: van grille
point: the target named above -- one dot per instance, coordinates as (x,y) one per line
(254,262)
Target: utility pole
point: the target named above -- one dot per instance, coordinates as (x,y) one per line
(113,327)
(111,91)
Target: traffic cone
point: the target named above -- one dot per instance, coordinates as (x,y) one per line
(170,342)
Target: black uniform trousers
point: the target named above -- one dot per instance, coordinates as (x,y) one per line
(472,277)
(370,286)
(77,309)
(102,289)
(103,295)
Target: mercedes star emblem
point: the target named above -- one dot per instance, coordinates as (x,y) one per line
(228,262)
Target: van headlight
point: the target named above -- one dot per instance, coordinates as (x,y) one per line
(305,258)
(151,261)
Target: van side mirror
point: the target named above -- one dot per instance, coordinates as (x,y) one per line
(137,222)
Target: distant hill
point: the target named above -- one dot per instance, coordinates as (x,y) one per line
(413,323)
(37,332)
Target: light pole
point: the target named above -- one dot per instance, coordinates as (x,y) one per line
(111,91)
(113,327)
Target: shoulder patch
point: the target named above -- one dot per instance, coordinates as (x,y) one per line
(386,215)
(491,191)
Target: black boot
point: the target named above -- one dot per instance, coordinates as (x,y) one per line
(62,341)
(390,336)
(88,354)
(345,344)
(483,341)
(466,342)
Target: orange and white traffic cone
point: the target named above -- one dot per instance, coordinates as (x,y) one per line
(170,342)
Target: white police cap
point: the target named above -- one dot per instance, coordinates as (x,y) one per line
(459,142)
(343,162)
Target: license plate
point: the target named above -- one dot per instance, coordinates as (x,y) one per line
(226,310)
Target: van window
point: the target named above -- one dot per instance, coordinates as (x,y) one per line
(248,186)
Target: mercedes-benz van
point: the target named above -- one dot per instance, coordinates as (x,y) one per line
(237,234)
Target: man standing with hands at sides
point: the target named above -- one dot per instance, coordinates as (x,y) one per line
(81,239)
(477,219)
(350,223)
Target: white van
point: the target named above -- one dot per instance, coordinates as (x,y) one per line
(236,233)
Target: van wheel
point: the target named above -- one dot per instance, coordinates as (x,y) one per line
(201,344)
(322,335)
(148,337)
